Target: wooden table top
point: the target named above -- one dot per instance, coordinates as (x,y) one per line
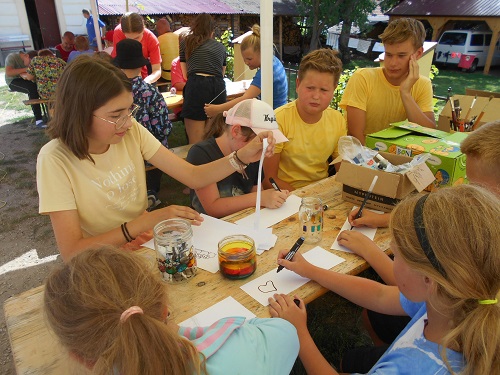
(36,350)
(233,90)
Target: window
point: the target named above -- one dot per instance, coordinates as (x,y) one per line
(477,40)
(487,41)
(456,39)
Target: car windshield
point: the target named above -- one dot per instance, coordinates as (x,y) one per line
(457,39)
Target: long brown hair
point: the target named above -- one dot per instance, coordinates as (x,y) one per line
(218,127)
(84,300)
(463,231)
(201,30)
(86,84)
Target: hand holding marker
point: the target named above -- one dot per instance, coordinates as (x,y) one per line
(367,195)
(275,185)
(292,252)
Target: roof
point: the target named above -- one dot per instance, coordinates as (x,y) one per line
(117,7)
(451,8)
(151,7)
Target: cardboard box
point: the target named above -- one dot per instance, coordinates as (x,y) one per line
(390,187)
(447,162)
(491,113)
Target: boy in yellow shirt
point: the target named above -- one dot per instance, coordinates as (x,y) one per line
(311,126)
(376,97)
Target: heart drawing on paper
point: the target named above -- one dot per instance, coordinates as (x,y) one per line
(268,287)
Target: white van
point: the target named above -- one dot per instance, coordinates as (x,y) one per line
(455,43)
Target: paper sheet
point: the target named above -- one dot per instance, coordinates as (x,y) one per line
(287,281)
(207,236)
(256,221)
(368,232)
(226,307)
(269,217)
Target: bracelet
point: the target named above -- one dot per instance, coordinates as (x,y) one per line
(239,160)
(237,164)
(126,233)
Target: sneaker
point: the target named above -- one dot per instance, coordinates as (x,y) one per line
(41,125)
(153,201)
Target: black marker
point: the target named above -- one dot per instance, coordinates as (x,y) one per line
(275,185)
(292,252)
(367,195)
(296,301)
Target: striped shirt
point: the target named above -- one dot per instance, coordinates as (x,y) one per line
(208,58)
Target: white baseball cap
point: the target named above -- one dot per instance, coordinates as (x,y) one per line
(257,115)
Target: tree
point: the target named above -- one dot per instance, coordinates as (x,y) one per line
(322,14)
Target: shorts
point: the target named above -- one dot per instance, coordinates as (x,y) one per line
(201,90)
(387,327)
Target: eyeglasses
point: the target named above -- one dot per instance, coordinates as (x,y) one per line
(120,123)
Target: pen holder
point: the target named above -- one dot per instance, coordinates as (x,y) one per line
(237,256)
(174,249)
(311,219)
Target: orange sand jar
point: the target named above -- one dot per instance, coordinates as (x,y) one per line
(237,257)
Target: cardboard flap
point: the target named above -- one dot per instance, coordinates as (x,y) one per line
(415,128)
(387,184)
(390,133)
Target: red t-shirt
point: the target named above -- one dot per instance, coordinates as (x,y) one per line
(150,47)
(64,54)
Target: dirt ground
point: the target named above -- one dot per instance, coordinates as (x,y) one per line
(22,228)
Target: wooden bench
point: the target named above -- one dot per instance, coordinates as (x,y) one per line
(42,102)
(180,151)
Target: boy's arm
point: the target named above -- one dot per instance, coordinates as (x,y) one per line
(413,111)
(356,123)
(271,170)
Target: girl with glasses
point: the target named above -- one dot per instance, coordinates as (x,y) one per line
(90,176)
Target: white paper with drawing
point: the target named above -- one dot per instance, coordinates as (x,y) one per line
(269,217)
(368,232)
(287,281)
(207,236)
(227,307)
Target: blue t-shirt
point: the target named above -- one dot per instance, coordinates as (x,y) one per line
(91,31)
(280,83)
(411,353)
(256,346)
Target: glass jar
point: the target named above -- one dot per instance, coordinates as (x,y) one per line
(311,219)
(174,249)
(237,256)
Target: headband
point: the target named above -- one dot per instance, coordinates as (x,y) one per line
(423,240)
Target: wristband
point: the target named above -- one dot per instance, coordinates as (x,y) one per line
(126,233)
(237,164)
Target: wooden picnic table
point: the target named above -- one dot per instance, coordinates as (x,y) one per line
(36,350)
(233,90)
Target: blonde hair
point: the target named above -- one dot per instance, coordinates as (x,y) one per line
(252,40)
(323,60)
(484,144)
(467,252)
(402,29)
(85,299)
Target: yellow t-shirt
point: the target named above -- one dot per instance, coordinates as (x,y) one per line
(169,50)
(105,194)
(369,90)
(304,157)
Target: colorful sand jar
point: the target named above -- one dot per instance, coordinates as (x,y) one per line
(174,249)
(237,257)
